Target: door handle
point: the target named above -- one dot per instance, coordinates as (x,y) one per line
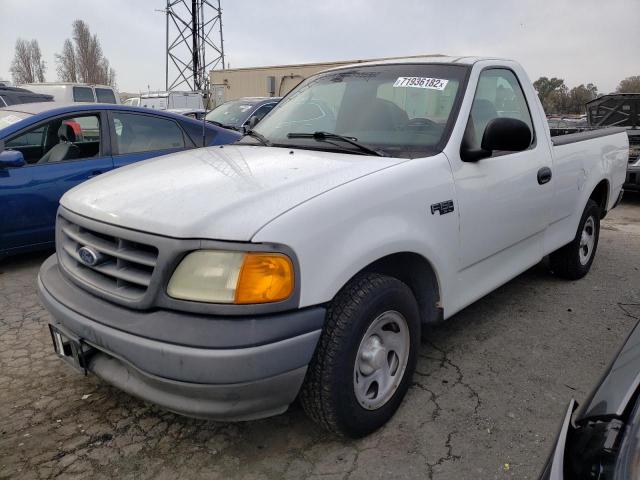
(544,175)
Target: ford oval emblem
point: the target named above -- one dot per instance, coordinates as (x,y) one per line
(89,256)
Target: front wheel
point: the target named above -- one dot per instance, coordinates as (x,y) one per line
(365,358)
(573,261)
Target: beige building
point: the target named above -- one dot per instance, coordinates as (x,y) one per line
(274,81)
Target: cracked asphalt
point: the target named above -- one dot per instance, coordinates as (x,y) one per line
(488,396)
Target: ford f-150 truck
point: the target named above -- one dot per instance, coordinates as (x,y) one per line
(303,260)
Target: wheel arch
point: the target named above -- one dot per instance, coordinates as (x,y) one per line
(600,195)
(420,276)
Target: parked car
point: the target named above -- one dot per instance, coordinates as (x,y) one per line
(15,96)
(236,114)
(171,100)
(197,113)
(47,148)
(132,102)
(633,171)
(621,110)
(601,440)
(303,260)
(64,92)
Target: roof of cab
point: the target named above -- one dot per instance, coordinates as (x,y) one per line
(450,59)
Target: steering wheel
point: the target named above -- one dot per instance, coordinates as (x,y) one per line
(420,122)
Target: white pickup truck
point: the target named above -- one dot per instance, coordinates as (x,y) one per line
(303,260)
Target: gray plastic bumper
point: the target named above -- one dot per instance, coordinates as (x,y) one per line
(240,401)
(632,181)
(220,383)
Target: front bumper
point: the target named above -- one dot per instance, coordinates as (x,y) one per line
(204,368)
(633,179)
(554,468)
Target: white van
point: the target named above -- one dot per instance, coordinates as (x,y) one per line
(171,100)
(75,92)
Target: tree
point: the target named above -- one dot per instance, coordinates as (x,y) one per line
(552,93)
(629,85)
(67,63)
(27,65)
(579,96)
(557,101)
(82,59)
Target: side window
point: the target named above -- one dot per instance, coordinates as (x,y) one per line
(105,95)
(59,140)
(144,133)
(263,110)
(498,95)
(30,144)
(83,94)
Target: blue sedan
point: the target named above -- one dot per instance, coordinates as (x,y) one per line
(48,148)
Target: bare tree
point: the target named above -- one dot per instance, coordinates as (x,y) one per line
(82,59)
(629,85)
(27,65)
(67,63)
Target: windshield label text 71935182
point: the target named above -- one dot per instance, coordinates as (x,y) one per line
(421,82)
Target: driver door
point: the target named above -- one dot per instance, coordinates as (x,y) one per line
(503,210)
(60,153)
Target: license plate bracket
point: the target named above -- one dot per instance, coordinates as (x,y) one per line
(71,348)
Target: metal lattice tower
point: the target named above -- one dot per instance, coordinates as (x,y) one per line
(194,42)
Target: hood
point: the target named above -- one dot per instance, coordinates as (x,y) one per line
(219,193)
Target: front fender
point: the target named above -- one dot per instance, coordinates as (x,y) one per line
(339,233)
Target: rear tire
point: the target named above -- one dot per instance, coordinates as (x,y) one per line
(573,261)
(364,361)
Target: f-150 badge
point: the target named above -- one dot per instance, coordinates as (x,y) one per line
(442,207)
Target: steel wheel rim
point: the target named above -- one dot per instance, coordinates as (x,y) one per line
(381,360)
(587,241)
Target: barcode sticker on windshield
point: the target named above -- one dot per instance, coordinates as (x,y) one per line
(421,82)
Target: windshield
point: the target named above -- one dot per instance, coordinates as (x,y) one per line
(9,117)
(233,113)
(400,110)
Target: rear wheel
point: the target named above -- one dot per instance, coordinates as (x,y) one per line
(365,358)
(573,261)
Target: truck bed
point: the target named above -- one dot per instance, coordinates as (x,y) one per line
(585,135)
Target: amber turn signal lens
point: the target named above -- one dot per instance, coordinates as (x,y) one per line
(264,277)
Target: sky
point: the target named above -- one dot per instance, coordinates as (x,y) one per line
(580,41)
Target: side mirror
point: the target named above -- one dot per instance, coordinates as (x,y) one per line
(11,159)
(502,134)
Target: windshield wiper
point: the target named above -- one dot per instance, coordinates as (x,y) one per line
(261,138)
(223,125)
(324,136)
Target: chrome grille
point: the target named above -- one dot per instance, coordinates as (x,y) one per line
(125,269)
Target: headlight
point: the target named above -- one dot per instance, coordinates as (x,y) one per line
(217,276)
(628,461)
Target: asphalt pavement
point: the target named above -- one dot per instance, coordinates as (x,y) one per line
(487,399)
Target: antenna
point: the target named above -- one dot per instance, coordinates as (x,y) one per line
(194,42)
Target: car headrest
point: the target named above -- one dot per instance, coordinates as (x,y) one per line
(66,133)
(483,110)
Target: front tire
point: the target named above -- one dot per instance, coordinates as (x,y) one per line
(573,261)
(365,358)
